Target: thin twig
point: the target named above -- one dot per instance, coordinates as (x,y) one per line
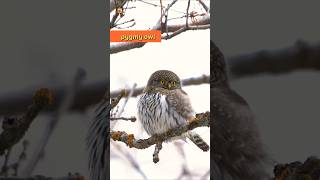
(187,18)
(205,7)
(121,110)
(131,160)
(183,29)
(15,166)
(128,96)
(4,169)
(206,175)
(132,119)
(157,149)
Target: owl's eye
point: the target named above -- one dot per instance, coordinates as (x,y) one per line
(162,81)
(173,83)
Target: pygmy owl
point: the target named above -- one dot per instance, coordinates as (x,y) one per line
(164,106)
(238,152)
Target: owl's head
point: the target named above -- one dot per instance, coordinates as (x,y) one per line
(164,79)
(218,72)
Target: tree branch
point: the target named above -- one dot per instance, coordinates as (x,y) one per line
(300,56)
(90,94)
(201,120)
(15,128)
(40,177)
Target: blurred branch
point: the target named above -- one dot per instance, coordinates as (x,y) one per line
(40,177)
(201,120)
(206,175)
(4,169)
(308,170)
(85,96)
(133,162)
(15,128)
(53,121)
(301,56)
(185,82)
(22,157)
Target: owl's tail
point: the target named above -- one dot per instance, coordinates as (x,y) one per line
(198,141)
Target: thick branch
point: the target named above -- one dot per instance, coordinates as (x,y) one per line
(201,120)
(301,56)
(15,102)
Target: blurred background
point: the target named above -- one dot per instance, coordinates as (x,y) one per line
(285,105)
(42,44)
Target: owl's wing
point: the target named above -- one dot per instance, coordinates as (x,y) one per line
(180,102)
(97,142)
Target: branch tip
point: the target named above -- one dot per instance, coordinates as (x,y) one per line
(43,97)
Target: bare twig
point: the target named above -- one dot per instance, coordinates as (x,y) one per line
(121,110)
(131,160)
(206,175)
(183,29)
(205,7)
(187,17)
(132,119)
(15,166)
(157,149)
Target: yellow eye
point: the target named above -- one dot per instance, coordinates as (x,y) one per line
(162,81)
(173,83)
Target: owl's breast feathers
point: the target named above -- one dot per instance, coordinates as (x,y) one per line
(160,110)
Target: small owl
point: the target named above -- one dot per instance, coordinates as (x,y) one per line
(164,106)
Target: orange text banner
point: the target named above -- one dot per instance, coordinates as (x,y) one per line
(135,36)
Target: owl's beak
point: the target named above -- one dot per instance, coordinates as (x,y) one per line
(169,85)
